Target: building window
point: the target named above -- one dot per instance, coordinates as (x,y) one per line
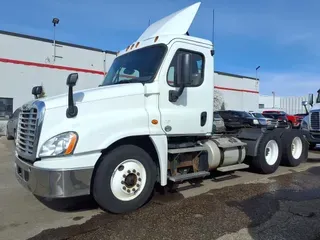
(197,62)
(6,107)
(261,105)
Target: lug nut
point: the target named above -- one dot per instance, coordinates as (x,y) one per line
(124,188)
(124,175)
(128,190)
(134,171)
(129,171)
(133,189)
(122,182)
(138,185)
(138,173)
(139,179)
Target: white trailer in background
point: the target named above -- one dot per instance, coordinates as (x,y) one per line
(138,128)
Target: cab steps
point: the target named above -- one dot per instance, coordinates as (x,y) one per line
(233,167)
(188,176)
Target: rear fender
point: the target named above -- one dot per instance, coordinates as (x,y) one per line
(253,136)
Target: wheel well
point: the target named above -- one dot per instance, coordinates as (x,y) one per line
(143,142)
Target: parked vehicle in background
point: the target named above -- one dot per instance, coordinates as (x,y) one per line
(12,125)
(238,119)
(310,124)
(269,122)
(280,118)
(218,123)
(292,121)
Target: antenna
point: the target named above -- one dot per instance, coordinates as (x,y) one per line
(213,26)
(149,23)
(212,50)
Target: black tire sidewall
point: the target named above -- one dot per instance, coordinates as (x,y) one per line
(101,190)
(259,162)
(288,158)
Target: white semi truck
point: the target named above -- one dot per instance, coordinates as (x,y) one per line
(310,124)
(149,122)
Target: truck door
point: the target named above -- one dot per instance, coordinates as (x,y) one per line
(192,113)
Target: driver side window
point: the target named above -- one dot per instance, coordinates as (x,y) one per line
(197,64)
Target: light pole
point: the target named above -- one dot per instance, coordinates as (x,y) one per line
(257,72)
(55,21)
(273,96)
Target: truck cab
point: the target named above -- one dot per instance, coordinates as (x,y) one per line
(150,121)
(311,123)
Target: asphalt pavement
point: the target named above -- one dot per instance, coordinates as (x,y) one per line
(242,205)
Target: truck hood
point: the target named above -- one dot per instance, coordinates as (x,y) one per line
(95,94)
(315,107)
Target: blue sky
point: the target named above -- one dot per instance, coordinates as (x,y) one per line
(282,36)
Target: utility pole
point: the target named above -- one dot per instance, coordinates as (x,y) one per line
(55,21)
(274,98)
(257,72)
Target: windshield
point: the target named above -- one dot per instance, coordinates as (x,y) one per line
(258,115)
(244,114)
(318,98)
(137,66)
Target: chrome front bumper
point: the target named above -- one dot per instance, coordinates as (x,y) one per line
(53,183)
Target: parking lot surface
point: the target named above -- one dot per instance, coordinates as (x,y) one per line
(242,205)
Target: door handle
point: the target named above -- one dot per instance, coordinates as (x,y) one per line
(203,118)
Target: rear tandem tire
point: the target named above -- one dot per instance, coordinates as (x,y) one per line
(295,148)
(269,154)
(124,180)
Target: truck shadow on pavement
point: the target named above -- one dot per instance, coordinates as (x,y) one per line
(286,207)
(289,209)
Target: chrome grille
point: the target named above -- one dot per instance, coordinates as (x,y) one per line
(315,121)
(28,130)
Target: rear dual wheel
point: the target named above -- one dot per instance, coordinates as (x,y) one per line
(295,148)
(268,154)
(291,149)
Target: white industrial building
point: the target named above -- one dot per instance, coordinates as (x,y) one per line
(291,105)
(27,61)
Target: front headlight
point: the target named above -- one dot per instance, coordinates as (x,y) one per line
(255,121)
(59,145)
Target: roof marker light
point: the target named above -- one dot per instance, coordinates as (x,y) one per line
(156,38)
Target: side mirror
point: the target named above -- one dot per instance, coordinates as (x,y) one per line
(310,99)
(37,90)
(183,70)
(304,103)
(72,79)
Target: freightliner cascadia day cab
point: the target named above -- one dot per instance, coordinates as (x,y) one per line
(149,122)
(310,124)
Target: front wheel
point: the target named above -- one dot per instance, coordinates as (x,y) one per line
(289,125)
(124,180)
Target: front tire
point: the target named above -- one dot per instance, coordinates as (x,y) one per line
(289,125)
(295,148)
(124,180)
(269,154)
